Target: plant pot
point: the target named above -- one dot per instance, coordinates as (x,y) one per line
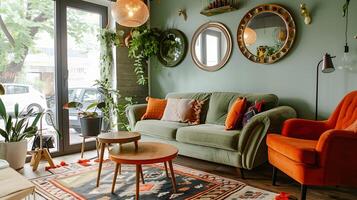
(91,126)
(14,153)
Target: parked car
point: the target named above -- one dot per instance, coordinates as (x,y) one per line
(84,95)
(25,95)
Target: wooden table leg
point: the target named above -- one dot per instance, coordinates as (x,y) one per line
(136,145)
(173,179)
(137,181)
(97,146)
(142,174)
(101,156)
(167,173)
(83,146)
(115,176)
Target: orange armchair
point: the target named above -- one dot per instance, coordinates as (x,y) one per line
(318,153)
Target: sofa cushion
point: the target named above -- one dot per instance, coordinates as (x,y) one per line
(203,96)
(220,103)
(209,135)
(299,150)
(157,128)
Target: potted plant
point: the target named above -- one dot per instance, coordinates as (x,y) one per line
(17,128)
(115,105)
(91,121)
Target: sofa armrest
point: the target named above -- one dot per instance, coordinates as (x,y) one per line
(304,129)
(251,145)
(134,114)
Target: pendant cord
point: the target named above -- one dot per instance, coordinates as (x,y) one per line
(346,27)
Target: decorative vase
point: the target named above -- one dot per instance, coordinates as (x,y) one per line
(91,126)
(14,153)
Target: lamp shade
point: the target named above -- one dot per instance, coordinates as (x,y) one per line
(327,65)
(130,13)
(250,36)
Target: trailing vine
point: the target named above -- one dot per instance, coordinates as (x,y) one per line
(143,45)
(107,39)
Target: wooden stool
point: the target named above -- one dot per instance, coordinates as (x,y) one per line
(84,142)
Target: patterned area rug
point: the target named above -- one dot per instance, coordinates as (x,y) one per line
(78,182)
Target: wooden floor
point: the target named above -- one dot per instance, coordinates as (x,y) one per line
(259,177)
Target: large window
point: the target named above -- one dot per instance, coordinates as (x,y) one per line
(49,49)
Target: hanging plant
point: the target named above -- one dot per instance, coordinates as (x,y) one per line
(107,39)
(143,45)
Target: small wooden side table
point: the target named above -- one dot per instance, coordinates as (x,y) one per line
(118,137)
(147,153)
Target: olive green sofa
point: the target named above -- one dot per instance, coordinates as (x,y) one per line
(244,149)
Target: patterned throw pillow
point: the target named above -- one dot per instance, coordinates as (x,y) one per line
(155,108)
(196,113)
(178,110)
(254,109)
(235,114)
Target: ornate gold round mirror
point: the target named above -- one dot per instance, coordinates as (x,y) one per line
(211,46)
(266,33)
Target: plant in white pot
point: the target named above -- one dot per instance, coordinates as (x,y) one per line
(91,121)
(18,126)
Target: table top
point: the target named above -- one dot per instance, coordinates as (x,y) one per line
(119,137)
(147,153)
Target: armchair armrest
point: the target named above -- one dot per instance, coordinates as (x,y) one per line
(337,147)
(304,129)
(251,145)
(134,114)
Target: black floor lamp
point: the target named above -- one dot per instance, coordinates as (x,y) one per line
(327,67)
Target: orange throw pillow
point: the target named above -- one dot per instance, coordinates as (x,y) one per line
(352,127)
(235,114)
(155,108)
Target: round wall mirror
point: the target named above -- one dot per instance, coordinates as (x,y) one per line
(173,48)
(211,46)
(266,33)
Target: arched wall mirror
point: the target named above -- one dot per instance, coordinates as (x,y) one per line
(266,33)
(211,46)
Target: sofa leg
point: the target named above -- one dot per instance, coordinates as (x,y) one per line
(241,172)
(303,192)
(275,171)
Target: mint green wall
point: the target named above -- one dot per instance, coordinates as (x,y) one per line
(292,78)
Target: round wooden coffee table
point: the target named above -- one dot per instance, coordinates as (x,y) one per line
(147,153)
(120,137)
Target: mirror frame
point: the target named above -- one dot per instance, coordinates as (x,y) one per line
(228,53)
(284,14)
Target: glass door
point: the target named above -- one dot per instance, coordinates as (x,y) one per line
(81,63)
(27,60)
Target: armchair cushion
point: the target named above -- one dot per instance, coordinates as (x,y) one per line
(299,150)
(304,129)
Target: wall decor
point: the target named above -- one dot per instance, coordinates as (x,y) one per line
(173,47)
(211,46)
(305,13)
(216,7)
(266,33)
(183,13)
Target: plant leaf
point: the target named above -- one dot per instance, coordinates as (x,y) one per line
(3,113)
(16,110)
(92,105)
(73,104)
(4,134)
(37,118)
